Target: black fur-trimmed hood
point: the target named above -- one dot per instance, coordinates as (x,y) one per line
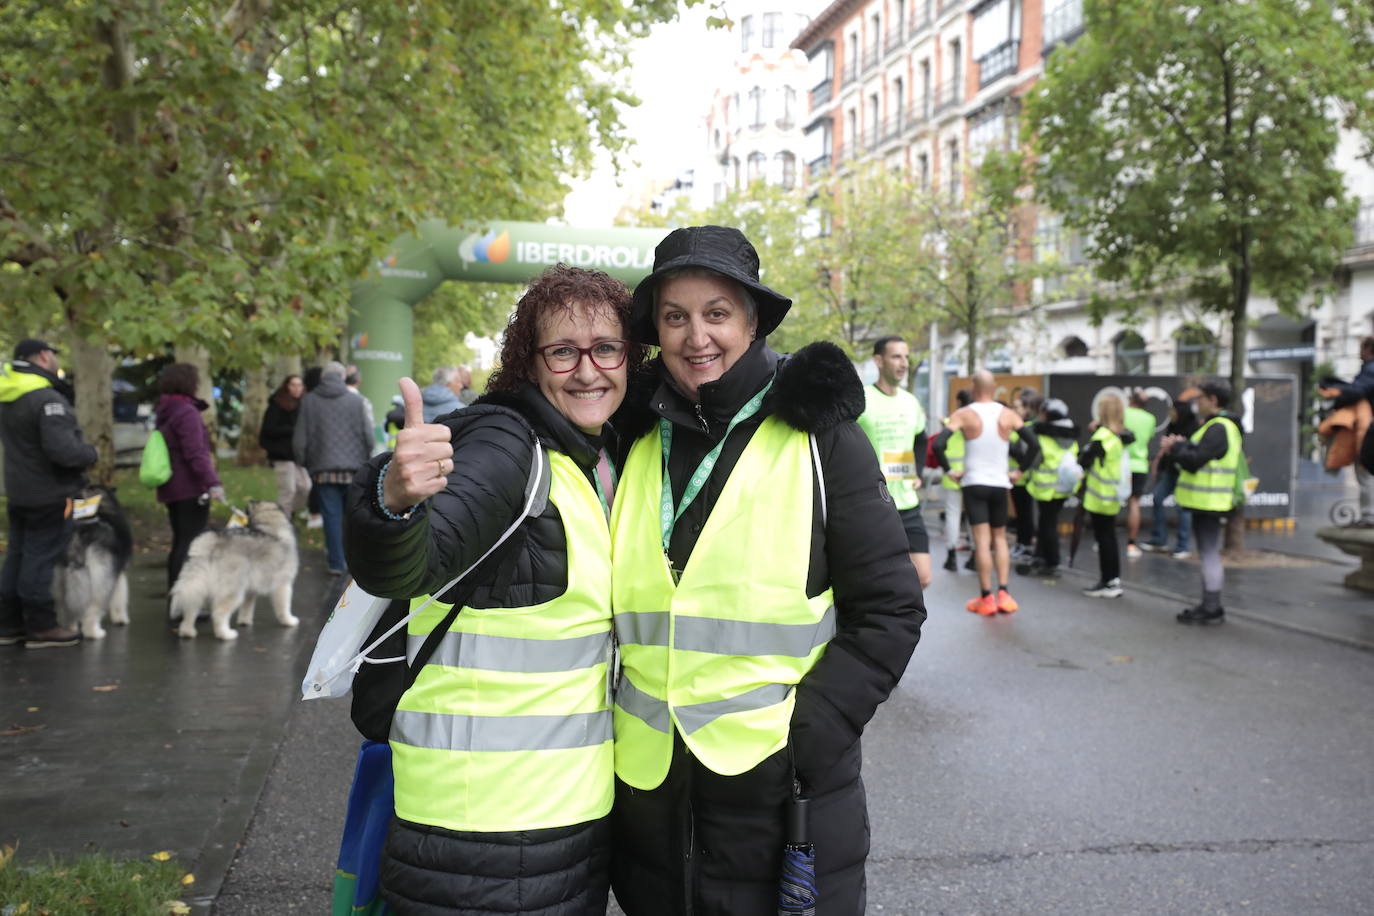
(815,389)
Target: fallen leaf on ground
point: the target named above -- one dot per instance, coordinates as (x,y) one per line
(105,688)
(21,730)
(162,856)
(1120,658)
(177,908)
(188,879)
(33,709)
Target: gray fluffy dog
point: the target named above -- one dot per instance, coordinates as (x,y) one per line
(228,569)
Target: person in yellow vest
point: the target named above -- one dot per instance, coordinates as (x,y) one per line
(895,423)
(953,493)
(1209,461)
(1050,485)
(1142,424)
(1103,488)
(502,748)
(765,604)
(1026,402)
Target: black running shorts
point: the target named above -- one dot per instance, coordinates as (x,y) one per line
(986,506)
(917,541)
(1138,481)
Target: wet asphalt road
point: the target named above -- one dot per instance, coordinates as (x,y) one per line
(1079,756)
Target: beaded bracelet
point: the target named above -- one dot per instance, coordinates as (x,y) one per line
(381,505)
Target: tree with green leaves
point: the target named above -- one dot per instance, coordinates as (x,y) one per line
(973,268)
(1192,143)
(215,173)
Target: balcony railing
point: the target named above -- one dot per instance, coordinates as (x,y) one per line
(1364,225)
(868,137)
(1063,23)
(918,114)
(870,58)
(849,73)
(944,5)
(920,21)
(821,93)
(948,96)
(818,166)
(999,62)
(894,39)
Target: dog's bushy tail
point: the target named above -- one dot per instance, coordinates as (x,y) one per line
(191,590)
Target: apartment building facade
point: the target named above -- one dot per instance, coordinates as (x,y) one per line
(931,85)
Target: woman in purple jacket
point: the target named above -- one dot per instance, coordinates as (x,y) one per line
(194,482)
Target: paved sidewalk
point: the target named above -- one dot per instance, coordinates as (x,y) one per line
(143,741)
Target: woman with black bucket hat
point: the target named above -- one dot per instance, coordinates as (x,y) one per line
(764,602)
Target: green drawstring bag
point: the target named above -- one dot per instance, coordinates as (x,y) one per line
(156,467)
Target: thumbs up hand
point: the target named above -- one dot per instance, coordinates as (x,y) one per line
(423,458)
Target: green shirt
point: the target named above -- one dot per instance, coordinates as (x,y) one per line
(892,422)
(1142,423)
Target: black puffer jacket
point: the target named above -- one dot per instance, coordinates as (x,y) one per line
(711,845)
(45,456)
(432,870)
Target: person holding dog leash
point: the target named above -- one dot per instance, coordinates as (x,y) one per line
(501,747)
(45,464)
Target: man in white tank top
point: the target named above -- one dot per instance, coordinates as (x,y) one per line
(987,427)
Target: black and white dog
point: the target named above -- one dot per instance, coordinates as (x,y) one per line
(91,576)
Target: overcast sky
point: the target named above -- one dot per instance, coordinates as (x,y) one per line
(674,72)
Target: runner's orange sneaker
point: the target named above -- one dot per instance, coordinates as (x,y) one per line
(1006,603)
(983,604)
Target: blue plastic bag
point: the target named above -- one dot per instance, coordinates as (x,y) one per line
(371,803)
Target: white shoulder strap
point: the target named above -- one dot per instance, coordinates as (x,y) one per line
(820,479)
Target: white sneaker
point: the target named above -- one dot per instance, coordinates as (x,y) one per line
(1110,589)
(1132,552)
(316,521)
(1182,554)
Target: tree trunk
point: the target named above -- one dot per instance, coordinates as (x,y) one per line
(1234,543)
(94,401)
(205,388)
(256,390)
(972,333)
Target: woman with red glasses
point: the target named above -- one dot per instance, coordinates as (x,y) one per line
(502,747)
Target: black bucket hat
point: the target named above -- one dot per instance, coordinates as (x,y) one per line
(719,248)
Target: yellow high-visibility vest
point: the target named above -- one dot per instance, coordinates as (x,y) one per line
(717,655)
(1044,480)
(1100,489)
(1212,487)
(508,726)
(954,454)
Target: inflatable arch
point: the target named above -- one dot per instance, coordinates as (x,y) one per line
(380,326)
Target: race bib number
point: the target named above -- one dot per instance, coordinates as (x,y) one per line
(899,465)
(85,508)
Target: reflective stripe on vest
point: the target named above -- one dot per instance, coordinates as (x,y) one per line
(1212,487)
(1100,489)
(508,726)
(718,655)
(1044,482)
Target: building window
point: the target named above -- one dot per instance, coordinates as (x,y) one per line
(734,161)
(772,30)
(1196,350)
(956,67)
(756,108)
(787,169)
(746,33)
(1073,347)
(989,129)
(1063,20)
(788,120)
(1129,354)
(757,163)
(923,170)
(996,27)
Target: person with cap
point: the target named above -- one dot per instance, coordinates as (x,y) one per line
(45,463)
(896,425)
(1051,482)
(332,440)
(1209,463)
(765,604)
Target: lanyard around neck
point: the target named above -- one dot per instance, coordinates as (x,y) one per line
(605,480)
(667,516)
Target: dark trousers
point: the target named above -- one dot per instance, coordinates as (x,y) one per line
(1108,554)
(189,517)
(1025,515)
(1047,531)
(38,538)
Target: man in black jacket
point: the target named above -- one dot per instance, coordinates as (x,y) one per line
(1362,387)
(45,463)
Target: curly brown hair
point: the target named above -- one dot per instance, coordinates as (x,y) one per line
(558,289)
(178,378)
